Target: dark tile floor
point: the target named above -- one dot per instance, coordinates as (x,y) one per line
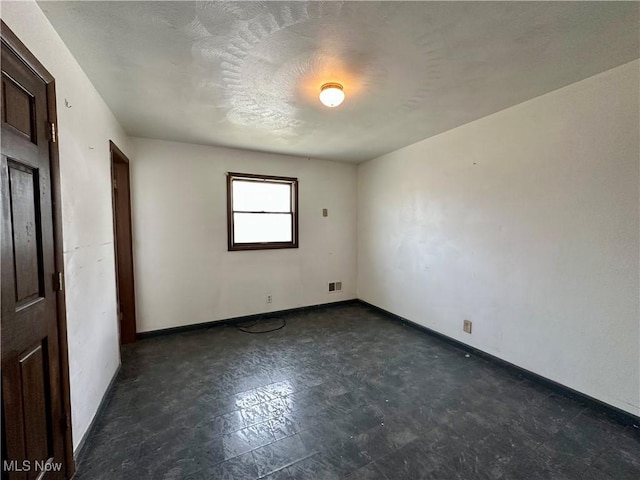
(341,392)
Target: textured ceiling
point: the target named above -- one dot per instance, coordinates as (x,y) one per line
(248,74)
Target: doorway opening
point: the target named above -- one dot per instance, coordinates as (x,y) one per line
(125,287)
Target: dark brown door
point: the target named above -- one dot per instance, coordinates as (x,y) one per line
(123,244)
(33,427)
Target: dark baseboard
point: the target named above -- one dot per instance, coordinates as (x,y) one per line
(615,413)
(77,454)
(244,319)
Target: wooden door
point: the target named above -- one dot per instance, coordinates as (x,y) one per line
(34,424)
(123,244)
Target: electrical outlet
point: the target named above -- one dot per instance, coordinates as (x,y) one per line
(338,286)
(332,286)
(466,326)
(269,298)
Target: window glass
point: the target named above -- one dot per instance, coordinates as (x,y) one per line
(259,227)
(250,196)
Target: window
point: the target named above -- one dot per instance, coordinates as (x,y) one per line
(262,212)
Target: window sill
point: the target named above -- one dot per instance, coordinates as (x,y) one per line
(261,246)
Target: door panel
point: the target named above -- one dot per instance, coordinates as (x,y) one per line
(33,426)
(27,244)
(33,369)
(19,108)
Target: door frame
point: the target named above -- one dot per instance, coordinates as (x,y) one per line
(127,335)
(13,43)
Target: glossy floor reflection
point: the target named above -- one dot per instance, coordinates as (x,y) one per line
(341,392)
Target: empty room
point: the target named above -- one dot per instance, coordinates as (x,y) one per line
(320,240)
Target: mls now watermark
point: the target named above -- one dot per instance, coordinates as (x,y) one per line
(31,466)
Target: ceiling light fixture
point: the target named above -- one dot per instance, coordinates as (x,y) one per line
(331,94)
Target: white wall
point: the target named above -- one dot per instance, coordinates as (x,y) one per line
(525,222)
(183,271)
(84,133)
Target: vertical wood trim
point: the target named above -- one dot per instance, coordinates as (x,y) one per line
(63,344)
(295,208)
(229,212)
(128,331)
(14,44)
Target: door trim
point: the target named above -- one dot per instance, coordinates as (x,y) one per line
(13,43)
(130,332)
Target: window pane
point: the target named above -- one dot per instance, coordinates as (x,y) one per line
(262,227)
(261,196)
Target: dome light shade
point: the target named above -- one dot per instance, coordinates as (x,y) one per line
(331,94)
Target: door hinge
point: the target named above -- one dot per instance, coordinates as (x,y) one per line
(52,132)
(58,281)
(115,184)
